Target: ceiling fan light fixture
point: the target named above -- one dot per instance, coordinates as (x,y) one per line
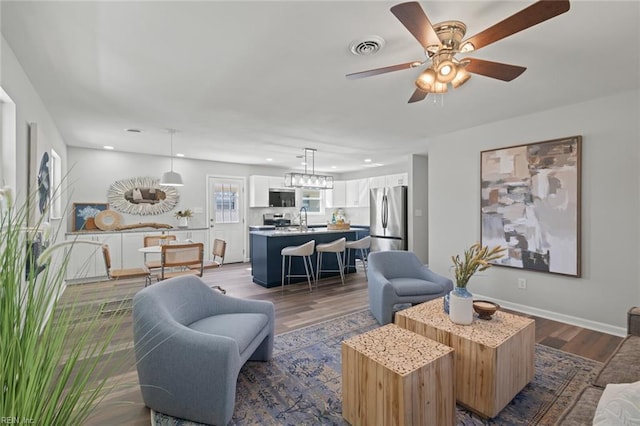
(439,87)
(426,80)
(446,71)
(462,76)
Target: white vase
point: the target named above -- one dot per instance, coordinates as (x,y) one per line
(461,307)
(183,222)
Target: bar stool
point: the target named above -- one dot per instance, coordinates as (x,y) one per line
(363,244)
(336,247)
(305,251)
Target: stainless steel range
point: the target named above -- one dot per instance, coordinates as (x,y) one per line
(275,219)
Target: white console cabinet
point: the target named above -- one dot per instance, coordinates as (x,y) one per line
(86,262)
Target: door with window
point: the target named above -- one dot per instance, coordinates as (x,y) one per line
(226,215)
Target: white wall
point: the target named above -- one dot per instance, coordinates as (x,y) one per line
(610,282)
(29,109)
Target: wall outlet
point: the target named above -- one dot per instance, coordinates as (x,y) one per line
(522,283)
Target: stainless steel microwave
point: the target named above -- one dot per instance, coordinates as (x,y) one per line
(282,198)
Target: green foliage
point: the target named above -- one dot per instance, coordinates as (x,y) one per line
(476,258)
(184,213)
(49,361)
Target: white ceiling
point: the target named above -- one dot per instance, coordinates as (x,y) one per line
(245,81)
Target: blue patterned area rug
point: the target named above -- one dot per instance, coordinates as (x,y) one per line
(302,384)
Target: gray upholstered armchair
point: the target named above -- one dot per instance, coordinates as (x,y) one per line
(190,343)
(400,277)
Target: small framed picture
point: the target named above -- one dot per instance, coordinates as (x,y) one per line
(84,213)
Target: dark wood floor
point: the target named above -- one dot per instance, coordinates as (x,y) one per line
(296,307)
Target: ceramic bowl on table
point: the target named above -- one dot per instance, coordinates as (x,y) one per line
(485,309)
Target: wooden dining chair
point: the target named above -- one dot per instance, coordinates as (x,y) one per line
(219,248)
(177,259)
(116,274)
(155,240)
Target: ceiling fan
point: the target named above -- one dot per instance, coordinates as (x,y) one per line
(444,40)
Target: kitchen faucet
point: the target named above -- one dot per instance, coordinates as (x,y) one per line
(303,227)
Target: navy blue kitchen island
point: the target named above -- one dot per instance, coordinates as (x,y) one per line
(265,247)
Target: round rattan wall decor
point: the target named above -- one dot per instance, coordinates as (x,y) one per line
(108,220)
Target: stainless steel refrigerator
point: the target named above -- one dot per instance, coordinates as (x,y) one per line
(388,218)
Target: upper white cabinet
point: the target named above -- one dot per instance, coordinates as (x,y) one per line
(363,192)
(357,193)
(276,182)
(259,191)
(400,179)
(377,182)
(348,193)
(336,197)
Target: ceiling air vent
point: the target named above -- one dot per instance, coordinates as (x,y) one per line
(367,46)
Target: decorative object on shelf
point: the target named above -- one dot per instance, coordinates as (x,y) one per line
(108,220)
(84,214)
(537,184)
(171,178)
(142,196)
(183,217)
(144,225)
(485,309)
(476,258)
(308,180)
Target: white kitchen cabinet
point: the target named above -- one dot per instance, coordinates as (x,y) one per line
(336,197)
(86,261)
(363,192)
(276,182)
(353,194)
(258,191)
(377,182)
(357,193)
(400,179)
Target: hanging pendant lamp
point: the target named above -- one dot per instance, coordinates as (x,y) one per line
(171,178)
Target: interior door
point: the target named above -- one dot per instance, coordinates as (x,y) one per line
(226,215)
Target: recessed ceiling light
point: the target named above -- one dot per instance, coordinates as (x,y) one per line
(108,147)
(367,160)
(179,155)
(269,159)
(334,167)
(133,130)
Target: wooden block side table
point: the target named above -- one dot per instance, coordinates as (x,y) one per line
(392,376)
(494,358)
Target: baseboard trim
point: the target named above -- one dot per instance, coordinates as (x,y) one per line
(568,319)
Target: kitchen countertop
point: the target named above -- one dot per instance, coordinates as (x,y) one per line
(294,230)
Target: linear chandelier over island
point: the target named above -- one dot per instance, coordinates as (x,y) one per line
(308,180)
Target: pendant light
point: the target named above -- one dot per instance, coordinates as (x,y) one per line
(308,180)
(171,178)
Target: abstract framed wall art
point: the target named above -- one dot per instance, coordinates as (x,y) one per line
(84,214)
(530,204)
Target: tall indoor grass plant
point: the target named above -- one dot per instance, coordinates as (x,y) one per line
(49,364)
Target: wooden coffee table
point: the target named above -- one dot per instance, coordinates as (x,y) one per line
(392,376)
(494,358)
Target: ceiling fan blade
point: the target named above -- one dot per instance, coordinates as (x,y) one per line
(412,16)
(376,71)
(417,96)
(528,17)
(504,72)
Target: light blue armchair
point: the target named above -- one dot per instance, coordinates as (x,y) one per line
(400,277)
(191,341)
